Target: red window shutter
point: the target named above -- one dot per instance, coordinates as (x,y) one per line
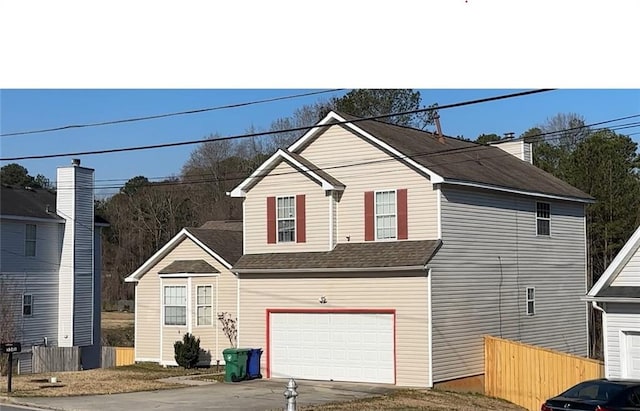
(271,220)
(301,228)
(369,223)
(403,226)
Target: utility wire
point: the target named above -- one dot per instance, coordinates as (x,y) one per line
(264,133)
(431,154)
(179,113)
(467,150)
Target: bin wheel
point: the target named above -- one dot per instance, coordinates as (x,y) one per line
(234,378)
(259,376)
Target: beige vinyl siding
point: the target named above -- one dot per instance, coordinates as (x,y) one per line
(149,307)
(208,334)
(490,255)
(371,169)
(172,333)
(629,276)
(619,318)
(407,295)
(517,148)
(284,180)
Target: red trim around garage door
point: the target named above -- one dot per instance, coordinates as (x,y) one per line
(269,311)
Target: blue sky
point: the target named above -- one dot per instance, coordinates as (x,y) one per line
(22,110)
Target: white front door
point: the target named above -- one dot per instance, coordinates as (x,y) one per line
(333,346)
(631,355)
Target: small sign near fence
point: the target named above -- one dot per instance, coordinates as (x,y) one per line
(10,348)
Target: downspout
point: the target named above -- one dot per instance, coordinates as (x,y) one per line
(595,306)
(430,330)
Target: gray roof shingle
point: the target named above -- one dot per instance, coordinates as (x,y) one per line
(32,202)
(323,174)
(189,267)
(369,255)
(458,160)
(225,239)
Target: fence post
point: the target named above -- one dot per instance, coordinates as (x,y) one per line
(290,395)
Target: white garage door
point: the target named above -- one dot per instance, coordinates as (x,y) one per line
(332,346)
(632,355)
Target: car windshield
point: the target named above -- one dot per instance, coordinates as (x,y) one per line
(594,390)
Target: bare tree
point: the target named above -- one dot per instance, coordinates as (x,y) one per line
(8,326)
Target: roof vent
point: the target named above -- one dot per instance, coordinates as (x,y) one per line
(75,162)
(509,135)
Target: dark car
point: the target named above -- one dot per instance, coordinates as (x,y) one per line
(597,395)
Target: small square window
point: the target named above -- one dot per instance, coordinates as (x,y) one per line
(543,219)
(27,305)
(531,301)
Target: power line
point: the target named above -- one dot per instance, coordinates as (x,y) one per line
(467,149)
(264,133)
(179,113)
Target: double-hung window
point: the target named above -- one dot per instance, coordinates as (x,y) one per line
(531,301)
(543,219)
(204,305)
(175,305)
(386,213)
(30,241)
(286,215)
(27,305)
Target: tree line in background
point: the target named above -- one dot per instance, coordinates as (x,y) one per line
(145,214)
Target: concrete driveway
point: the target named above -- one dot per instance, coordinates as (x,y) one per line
(257,395)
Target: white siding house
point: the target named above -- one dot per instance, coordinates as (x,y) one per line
(50,265)
(617,295)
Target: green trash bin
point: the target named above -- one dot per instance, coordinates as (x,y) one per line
(235,364)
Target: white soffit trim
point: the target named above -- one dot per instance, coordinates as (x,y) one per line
(617,264)
(185,275)
(327,270)
(184,233)
(435,178)
(271,162)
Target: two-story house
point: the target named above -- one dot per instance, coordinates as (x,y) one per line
(379,253)
(50,266)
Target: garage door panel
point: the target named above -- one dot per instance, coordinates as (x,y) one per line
(332,346)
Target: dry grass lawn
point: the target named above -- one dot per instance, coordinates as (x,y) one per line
(115,319)
(421,400)
(138,377)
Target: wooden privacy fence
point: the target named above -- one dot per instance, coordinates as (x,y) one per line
(527,375)
(53,359)
(117,356)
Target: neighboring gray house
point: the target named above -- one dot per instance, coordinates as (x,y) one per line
(617,295)
(50,266)
(380,253)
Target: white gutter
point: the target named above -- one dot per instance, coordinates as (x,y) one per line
(325,270)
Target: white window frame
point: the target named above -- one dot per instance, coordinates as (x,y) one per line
(30,241)
(210,305)
(30,305)
(165,305)
(531,300)
(539,218)
(289,218)
(376,215)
